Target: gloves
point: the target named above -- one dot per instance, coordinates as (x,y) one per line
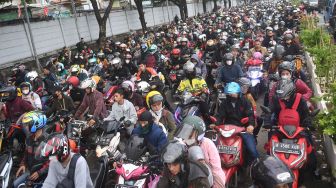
(128,123)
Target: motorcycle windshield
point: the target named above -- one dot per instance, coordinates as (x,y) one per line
(185,131)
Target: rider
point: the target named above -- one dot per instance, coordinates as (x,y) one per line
(62,73)
(118,70)
(291,48)
(36,82)
(58,145)
(232,110)
(34,121)
(77,94)
(201,69)
(61,102)
(145,73)
(93,100)
(192,132)
(19,73)
(79,72)
(123,108)
(30,96)
(162,116)
(179,172)
(196,86)
(230,72)
(257,48)
(135,98)
(152,133)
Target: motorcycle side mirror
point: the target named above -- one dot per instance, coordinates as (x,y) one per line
(265,109)
(244,120)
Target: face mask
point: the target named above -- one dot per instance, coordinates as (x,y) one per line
(229,62)
(59,70)
(26,91)
(127,61)
(286,77)
(145,129)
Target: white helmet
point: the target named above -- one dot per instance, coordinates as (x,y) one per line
(116,61)
(143,86)
(189,67)
(32,75)
(88,83)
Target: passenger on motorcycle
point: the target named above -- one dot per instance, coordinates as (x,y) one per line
(80,73)
(61,102)
(145,73)
(179,172)
(285,70)
(32,169)
(192,132)
(57,145)
(36,82)
(61,73)
(197,87)
(201,69)
(234,108)
(135,98)
(30,96)
(230,72)
(153,134)
(291,48)
(162,116)
(118,72)
(93,100)
(18,74)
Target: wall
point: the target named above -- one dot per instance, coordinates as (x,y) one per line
(15,42)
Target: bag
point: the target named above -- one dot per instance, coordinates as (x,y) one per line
(289,116)
(69,181)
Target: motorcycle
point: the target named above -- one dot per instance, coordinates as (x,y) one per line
(188,106)
(255,74)
(6,162)
(230,147)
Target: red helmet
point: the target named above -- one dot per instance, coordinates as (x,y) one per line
(176,51)
(55,145)
(74,81)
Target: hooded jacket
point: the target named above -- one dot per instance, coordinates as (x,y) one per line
(201,69)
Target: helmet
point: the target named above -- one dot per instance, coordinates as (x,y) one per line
(55,145)
(116,61)
(153,49)
(34,120)
(195,153)
(232,88)
(25,84)
(257,55)
(143,87)
(74,81)
(288,36)
(96,78)
(279,50)
(174,152)
(153,97)
(123,45)
(176,51)
(100,54)
(202,37)
(189,67)
(88,83)
(268,171)
(60,67)
(228,57)
(190,124)
(30,76)
(92,60)
(135,147)
(8,93)
(75,69)
(243,81)
(184,39)
(128,85)
(286,65)
(285,88)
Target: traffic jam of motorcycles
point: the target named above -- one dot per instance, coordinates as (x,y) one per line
(172,107)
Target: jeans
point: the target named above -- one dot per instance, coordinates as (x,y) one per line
(250,144)
(21,179)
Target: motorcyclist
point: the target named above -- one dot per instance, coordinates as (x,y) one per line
(269,37)
(285,70)
(154,136)
(80,73)
(162,116)
(179,172)
(119,72)
(61,73)
(276,60)
(36,82)
(192,132)
(61,102)
(232,110)
(257,48)
(135,98)
(93,100)
(201,69)
(76,93)
(19,72)
(129,64)
(30,96)
(176,61)
(58,145)
(145,73)
(34,121)
(196,86)
(291,48)
(230,72)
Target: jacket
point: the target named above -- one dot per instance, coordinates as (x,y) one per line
(17,107)
(34,99)
(197,85)
(126,110)
(146,76)
(156,138)
(229,73)
(201,69)
(66,103)
(167,119)
(262,50)
(292,49)
(95,102)
(232,114)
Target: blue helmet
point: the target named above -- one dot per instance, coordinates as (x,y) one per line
(34,120)
(232,88)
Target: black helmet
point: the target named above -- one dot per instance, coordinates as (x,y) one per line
(288,36)
(135,147)
(146,116)
(228,57)
(286,65)
(279,50)
(8,93)
(285,88)
(174,152)
(268,171)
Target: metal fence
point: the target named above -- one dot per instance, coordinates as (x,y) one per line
(16,43)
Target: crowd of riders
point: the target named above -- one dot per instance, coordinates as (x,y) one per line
(244,53)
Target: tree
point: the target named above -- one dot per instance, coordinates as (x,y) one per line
(139,6)
(204,2)
(182,4)
(101,20)
(215,5)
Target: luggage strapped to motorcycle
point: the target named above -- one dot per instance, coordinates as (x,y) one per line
(69,180)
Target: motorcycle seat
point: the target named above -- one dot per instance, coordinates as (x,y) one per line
(98,173)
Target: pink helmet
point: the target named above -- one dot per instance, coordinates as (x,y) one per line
(128,85)
(257,55)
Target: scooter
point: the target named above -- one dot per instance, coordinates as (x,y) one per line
(255,74)
(188,106)
(230,147)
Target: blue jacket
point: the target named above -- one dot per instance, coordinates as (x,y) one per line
(228,74)
(155,137)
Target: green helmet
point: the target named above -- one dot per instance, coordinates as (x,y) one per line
(189,125)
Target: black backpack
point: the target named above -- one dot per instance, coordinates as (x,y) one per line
(69,181)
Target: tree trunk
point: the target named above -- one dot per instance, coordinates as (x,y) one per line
(139,6)
(185,9)
(182,12)
(102,33)
(215,5)
(204,5)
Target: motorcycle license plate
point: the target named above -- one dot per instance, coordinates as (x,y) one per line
(227,149)
(125,186)
(287,148)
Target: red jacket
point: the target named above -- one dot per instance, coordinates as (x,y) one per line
(17,107)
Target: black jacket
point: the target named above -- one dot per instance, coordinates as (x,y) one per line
(66,103)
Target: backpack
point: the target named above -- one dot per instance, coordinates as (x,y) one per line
(289,116)
(69,181)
